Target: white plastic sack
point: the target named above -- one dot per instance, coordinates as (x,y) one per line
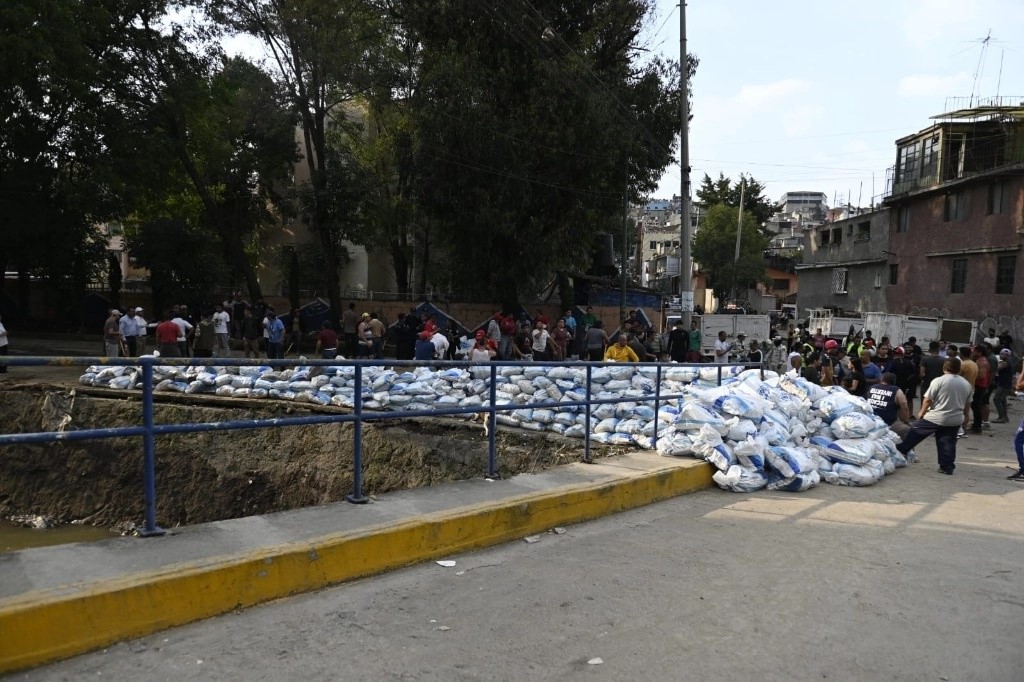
(740,479)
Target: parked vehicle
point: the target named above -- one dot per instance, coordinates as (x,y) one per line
(899,328)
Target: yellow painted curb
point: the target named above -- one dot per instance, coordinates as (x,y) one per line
(49,625)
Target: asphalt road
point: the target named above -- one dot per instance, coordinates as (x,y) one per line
(918,578)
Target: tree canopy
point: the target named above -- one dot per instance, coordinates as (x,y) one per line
(480,146)
(714,248)
(725,192)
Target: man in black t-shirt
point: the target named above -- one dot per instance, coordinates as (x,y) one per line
(931,366)
(678,342)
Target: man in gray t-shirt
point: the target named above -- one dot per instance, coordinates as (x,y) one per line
(943,409)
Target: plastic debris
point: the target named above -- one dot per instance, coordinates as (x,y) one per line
(530,539)
(595,661)
(447,563)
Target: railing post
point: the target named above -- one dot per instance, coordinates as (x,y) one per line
(357,440)
(150,528)
(657,404)
(719,375)
(492,426)
(586,427)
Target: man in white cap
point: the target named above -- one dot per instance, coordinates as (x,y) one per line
(112,334)
(739,349)
(142,330)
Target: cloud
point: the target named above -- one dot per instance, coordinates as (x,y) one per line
(931,85)
(768,93)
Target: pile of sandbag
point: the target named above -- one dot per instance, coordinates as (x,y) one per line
(777,433)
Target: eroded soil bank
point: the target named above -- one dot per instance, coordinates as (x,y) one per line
(211,476)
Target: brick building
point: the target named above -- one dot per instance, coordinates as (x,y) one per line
(957,215)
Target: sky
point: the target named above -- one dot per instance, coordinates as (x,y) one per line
(810,95)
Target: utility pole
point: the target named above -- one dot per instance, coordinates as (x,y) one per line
(625,245)
(739,233)
(685,258)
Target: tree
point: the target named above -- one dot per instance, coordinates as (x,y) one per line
(723,191)
(714,247)
(533,122)
(325,53)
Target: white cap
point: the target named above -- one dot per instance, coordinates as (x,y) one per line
(741,334)
(115,311)
(794,354)
(139,309)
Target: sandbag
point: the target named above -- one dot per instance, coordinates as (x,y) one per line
(740,479)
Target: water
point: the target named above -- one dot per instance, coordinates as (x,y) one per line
(14,537)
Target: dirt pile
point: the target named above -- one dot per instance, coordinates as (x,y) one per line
(210,476)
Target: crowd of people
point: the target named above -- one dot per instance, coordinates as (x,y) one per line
(957,386)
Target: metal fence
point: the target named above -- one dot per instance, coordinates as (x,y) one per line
(150,430)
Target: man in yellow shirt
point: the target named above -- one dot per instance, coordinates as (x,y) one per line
(619,351)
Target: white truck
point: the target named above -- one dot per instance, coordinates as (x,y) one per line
(754,326)
(833,326)
(899,328)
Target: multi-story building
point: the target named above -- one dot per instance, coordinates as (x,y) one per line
(957,201)
(809,206)
(844,264)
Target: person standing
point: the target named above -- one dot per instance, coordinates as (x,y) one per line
(251,333)
(756,355)
(679,343)
(541,341)
(1018,440)
(377,331)
(571,325)
(775,358)
(561,338)
(1004,382)
(979,401)
(128,326)
(275,336)
(238,307)
(722,348)
(943,409)
(185,327)
(350,328)
(3,344)
(597,341)
(206,341)
(143,331)
(167,337)
(931,365)
(695,340)
(112,334)
(222,337)
(425,349)
(969,371)
(906,373)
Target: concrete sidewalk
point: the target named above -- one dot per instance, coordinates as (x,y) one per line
(56,602)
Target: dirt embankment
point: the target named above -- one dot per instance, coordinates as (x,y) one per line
(210,476)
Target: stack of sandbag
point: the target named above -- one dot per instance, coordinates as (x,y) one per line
(759,431)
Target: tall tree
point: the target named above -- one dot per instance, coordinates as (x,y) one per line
(727,193)
(714,248)
(325,53)
(535,120)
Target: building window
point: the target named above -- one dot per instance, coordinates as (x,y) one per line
(780,284)
(908,158)
(837,235)
(955,206)
(653,246)
(930,156)
(849,230)
(825,237)
(959,282)
(864,231)
(840,280)
(903,219)
(1006,271)
(878,280)
(894,273)
(997,197)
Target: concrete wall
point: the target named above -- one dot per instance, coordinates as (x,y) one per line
(925,276)
(861,255)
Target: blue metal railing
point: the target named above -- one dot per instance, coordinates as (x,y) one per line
(149,430)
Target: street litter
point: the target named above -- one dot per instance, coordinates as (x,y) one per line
(530,539)
(595,661)
(447,563)
(759,429)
